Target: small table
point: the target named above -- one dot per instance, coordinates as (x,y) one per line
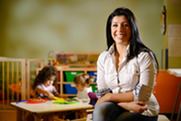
(47,108)
(177,73)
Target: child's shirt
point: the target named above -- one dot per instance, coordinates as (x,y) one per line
(50,88)
(83,95)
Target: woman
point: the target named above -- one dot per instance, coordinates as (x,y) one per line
(125,73)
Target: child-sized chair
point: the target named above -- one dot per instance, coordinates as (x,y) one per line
(93,98)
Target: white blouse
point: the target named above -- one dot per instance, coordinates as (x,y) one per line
(83,95)
(137,75)
(50,88)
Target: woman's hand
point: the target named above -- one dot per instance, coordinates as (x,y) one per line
(104,98)
(135,106)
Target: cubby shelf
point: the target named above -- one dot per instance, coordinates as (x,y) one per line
(63,80)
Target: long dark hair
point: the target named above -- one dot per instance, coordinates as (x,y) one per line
(44,75)
(136,44)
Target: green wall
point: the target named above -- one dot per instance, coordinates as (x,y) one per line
(33,28)
(173,13)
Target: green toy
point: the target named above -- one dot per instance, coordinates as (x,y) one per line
(64,100)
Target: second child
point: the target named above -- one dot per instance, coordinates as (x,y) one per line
(82,84)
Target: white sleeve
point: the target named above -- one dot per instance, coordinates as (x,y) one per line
(40,86)
(101,84)
(55,90)
(146,83)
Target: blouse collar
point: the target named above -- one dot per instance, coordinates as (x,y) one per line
(112,49)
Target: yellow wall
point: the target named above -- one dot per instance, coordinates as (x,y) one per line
(33,28)
(173,8)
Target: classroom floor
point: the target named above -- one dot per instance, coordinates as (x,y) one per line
(10,115)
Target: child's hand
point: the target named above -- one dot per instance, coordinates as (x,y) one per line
(50,95)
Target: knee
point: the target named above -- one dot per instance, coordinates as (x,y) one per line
(97,111)
(102,110)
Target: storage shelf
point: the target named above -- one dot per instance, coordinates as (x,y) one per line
(69,95)
(62,82)
(79,69)
(67,82)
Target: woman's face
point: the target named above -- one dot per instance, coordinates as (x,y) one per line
(120,30)
(50,81)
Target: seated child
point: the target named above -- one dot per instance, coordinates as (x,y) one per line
(44,83)
(44,87)
(82,84)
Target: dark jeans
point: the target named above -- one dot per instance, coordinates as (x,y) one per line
(109,111)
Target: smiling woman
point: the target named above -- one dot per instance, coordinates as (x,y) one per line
(121,30)
(128,69)
(121,33)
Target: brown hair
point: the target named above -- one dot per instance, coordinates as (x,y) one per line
(82,78)
(44,75)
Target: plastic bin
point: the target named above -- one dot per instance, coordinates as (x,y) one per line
(70,89)
(94,88)
(93,74)
(70,75)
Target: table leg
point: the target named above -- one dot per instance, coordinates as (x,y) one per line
(50,117)
(43,117)
(178,92)
(179,113)
(80,114)
(37,117)
(19,115)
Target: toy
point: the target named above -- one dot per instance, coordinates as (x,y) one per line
(36,100)
(64,100)
(33,101)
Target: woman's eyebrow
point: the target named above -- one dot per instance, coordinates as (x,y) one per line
(121,22)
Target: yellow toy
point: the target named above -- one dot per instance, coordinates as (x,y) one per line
(64,100)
